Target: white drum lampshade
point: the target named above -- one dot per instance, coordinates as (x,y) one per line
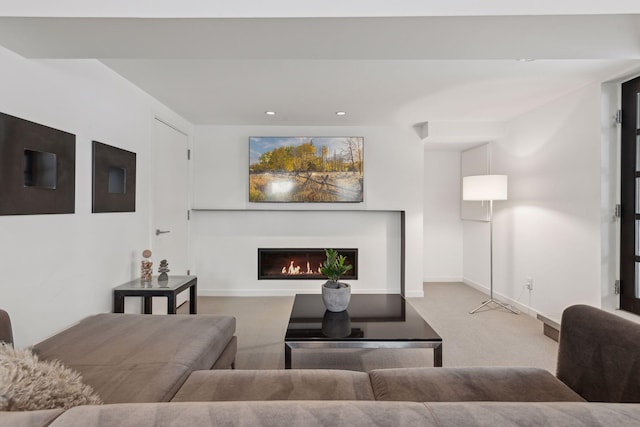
(484,187)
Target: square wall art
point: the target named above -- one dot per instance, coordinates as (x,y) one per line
(37,168)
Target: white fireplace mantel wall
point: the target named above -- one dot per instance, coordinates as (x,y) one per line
(227,243)
(226,229)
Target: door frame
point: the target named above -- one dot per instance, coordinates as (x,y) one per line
(629,177)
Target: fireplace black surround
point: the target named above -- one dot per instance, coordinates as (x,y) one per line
(300,263)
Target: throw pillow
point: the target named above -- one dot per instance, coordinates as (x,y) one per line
(27,383)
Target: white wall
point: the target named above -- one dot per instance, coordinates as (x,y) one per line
(442,253)
(476,254)
(57,269)
(393,182)
(549,229)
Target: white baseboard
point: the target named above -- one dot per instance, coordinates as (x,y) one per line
(246,293)
(523,308)
(476,285)
(414,294)
(442,279)
(283,292)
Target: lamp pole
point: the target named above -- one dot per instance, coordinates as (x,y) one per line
(491,299)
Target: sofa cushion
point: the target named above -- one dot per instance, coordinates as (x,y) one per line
(469,384)
(41,418)
(122,355)
(276,414)
(28,384)
(299,384)
(534,414)
(136,382)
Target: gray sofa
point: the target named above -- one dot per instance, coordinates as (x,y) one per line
(597,383)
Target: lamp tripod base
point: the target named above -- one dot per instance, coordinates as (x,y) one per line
(498,303)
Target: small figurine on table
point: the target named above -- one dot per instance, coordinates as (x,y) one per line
(163,270)
(146,267)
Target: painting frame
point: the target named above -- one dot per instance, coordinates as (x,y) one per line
(295,169)
(37,168)
(107,162)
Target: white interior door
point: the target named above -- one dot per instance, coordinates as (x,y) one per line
(170,203)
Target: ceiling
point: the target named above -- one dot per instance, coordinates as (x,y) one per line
(401,70)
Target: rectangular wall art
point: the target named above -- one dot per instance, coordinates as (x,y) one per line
(114,179)
(37,168)
(306,169)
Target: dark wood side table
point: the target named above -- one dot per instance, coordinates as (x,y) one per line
(170,289)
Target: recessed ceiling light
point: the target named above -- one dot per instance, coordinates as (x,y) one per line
(270,113)
(526,60)
(341,113)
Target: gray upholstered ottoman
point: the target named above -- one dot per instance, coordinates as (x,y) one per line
(298,384)
(138,357)
(470,384)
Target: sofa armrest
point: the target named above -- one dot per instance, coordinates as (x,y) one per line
(6,333)
(599,355)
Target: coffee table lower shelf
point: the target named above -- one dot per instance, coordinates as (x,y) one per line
(435,345)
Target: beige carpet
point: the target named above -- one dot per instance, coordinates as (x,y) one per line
(491,338)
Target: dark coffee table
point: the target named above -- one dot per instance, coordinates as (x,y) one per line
(371,321)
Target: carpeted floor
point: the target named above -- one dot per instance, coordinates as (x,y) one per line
(490,338)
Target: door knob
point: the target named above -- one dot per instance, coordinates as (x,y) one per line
(159,232)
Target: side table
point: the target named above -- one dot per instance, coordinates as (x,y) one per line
(169,288)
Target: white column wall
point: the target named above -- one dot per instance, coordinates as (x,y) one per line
(442,260)
(549,229)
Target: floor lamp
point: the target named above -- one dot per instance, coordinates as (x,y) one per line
(487,188)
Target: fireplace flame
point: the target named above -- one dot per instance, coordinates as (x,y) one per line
(294,269)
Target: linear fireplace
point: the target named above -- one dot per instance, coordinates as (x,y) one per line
(300,264)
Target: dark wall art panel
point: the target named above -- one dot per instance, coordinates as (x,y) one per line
(37,168)
(114,179)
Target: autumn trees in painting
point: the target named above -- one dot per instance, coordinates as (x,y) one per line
(296,169)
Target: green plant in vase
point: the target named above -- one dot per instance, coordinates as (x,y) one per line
(335,295)
(334,267)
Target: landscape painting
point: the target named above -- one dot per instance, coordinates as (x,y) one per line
(306,169)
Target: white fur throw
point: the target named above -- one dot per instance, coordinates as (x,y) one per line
(28,384)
